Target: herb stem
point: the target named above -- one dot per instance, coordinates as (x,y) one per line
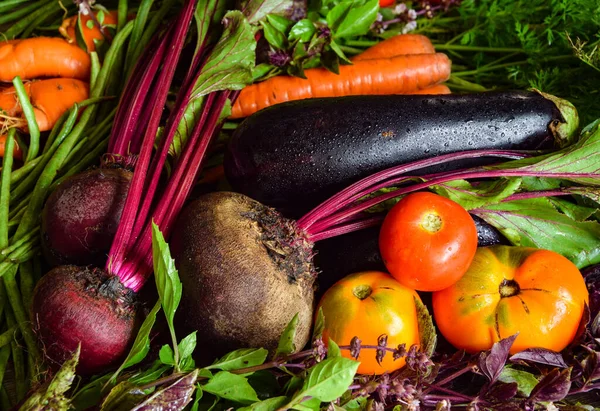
(448,379)
(459,47)
(511,64)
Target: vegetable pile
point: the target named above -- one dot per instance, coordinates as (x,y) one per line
(344,204)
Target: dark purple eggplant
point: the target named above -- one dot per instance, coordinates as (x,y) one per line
(358,251)
(294,155)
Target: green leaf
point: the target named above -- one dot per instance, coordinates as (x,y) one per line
(230,65)
(100,16)
(536,223)
(319,324)
(482,194)
(141,345)
(191,115)
(525,381)
(333,350)
(427,334)
(166,276)
(187,346)
(330,60)
(123,396)
(52,397)
(572,210)
(280,23)
(356,404)
(286,341)
(327,380)
(166,355)
(258,10)
(197,398)
(208,16)
(271,404)
(262,71)
(358,21)
(174,397)
(231,387)
(338,51)
(338,14)
(303,31)
(242,358)
(275,37)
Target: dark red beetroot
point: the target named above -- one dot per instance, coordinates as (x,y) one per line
(81,217)
(94,307)
(72,305)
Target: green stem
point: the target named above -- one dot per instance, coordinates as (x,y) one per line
(122,15)
(18,360)
(19,12)
(22,172)
(500,60)
(34,131)
(14,296)
(138,29)
(351,50)
(46,8)
(95,68)
(39,20)
(4,356)
(27,282)
(55,130)
(7,164)
(5,402)
(361,43)
(458,47)
(515,63)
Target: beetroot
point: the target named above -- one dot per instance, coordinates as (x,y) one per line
(73,305)
(81,217)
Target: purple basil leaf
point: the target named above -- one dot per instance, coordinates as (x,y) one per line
(552,387)
(581,333)
(595,326)
(591,366)
(175,397)
(503,392)
(492,362)
(592,280)
(540,356)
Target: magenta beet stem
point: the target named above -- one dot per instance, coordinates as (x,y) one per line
(364,186)
(337,218)
(136,270)
(123,241)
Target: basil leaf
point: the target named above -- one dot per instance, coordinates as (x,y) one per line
(245,357)
(197,398)
(174,397)
(286,341)
(275,38)
(330,61)
(338,51)
(319,324)
(280,23)
(230,65)
(187,346)
(428,336)
(484,193)
(166,355)
(525,381)
(262,70)
(231,387)
(165,274)
(358,21)
(123,396)
(141,345)
(338,14)
(327,380)
(536,223)
(271,404)
(303,31)
(333,350)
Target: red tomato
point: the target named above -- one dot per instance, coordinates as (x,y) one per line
(427,241)
(386,3)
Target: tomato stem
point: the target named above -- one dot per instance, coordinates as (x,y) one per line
(362,291)
(509,288)
(431,222)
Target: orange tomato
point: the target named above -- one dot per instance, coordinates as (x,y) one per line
(367,305)
(507,290)
(427,241)
(69,25)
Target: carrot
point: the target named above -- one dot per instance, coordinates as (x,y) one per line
(437,89)
(397,46)
(42,57)
(17,153)
(69,25)
(395,75)
(50,99)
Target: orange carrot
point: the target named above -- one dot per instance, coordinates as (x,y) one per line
(397,46)
(437,89)
(17,153)
(69,25)
(50,99)
(42,57)
(396,75)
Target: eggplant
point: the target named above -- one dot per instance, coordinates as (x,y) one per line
(358,251)
(294,155)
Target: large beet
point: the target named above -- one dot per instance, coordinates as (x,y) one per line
(74,304)
(81,216)
(246,271)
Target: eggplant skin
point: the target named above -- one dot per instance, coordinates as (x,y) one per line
(294,155)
